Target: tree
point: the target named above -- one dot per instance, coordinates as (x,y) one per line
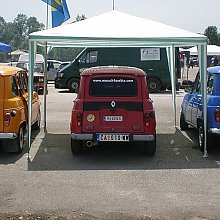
(2,29)
(212,33)
(218,39)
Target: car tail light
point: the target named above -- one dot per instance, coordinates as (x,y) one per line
(41,79)
(217,115)
(7,118)
(147,118)
(79,119)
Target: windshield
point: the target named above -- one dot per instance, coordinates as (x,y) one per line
(113,87)
(38,67)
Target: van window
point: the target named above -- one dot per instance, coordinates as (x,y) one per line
(22,65)
(90,57)
(14,86)
(39,67)
(113,86)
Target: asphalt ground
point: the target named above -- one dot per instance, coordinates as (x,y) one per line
(113,181)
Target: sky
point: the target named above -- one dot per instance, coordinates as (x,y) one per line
(191,15)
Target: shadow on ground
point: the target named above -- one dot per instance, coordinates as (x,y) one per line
(174,151)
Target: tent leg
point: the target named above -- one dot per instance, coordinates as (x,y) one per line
(45,89)
(171,62)
(202,49)
(32,46)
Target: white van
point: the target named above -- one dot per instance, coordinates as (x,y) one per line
(24,58)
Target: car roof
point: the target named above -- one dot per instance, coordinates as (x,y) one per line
(113,70)
(66,62)
(214,70)
(9,70)
(54,61)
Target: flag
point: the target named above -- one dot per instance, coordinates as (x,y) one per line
(59,11)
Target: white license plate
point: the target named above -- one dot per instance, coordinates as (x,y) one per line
(113,118)
(112,137)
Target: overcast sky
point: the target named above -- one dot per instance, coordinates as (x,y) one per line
(191,15)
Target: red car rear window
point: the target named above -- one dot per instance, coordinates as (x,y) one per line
(113,87)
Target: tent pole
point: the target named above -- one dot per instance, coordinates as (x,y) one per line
(113,5)
(45,76)
(32,46)
(202,49)
(45,87)
(171,63)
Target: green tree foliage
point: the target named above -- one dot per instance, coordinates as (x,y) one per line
(218,39)
(212,33)
(16,34)
(64,53)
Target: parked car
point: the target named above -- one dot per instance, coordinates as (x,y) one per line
(153,60)
(113,105)
(192,108)
(58,74)
(52,66)
(14,108)
(38,80)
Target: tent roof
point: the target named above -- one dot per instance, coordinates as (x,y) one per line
(5,47)
(212,50)
(117,29)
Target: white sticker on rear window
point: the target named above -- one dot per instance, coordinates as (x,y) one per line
(113,80)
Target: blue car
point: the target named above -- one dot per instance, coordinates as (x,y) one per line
(191,108)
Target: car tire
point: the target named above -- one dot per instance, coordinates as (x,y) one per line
(19,141)
(76,146)
(183,124)
(149,148)
(201,138)
(37,124)
(154,85)
(73,85)
(178,86)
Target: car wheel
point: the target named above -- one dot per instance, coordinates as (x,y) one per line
(76,146)
(178,86)
(201,138)
(183,125)
(149,148)
(73,85)
(19,141)
(37,124)
(154,85)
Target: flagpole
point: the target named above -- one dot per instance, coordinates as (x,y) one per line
(113,6)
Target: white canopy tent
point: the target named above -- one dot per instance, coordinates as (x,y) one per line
(117,29)
(212,50)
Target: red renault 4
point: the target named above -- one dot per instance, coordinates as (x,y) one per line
(113,105)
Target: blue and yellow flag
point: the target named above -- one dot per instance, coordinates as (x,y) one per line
(59,11)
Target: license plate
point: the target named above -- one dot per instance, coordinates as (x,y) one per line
(112,137)
(113,118)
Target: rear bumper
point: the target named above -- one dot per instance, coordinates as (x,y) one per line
(214,131)
(135,137)
(7,136)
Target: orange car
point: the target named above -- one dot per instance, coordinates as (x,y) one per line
(14,108)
